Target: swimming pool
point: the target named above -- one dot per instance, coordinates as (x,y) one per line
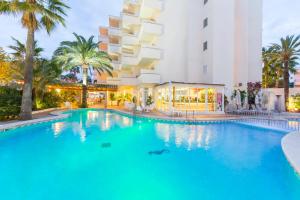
(96,154)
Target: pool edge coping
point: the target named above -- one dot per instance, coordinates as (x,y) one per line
(291,149)
(55,115)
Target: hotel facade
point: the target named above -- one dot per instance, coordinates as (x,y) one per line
(185,54)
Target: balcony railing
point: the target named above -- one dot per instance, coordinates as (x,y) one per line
(129,19)
(114,31)
(114,48)
(149,77)
(153,4)
(152,28)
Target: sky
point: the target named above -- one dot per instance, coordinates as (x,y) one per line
(281,17)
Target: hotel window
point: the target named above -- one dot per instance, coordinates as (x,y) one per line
(205,46)
(205,22)
(205,2)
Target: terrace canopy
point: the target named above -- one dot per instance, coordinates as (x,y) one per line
(190,97)
(96,92)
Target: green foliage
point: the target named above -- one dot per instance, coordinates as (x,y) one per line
(68,96)
(49,100)
(295,101)
(10,102)
(253,89)
(124,97)
(243,95)
(149,101)
(36,14)
(134,100)
(83,52)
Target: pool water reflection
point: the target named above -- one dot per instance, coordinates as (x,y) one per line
(97,154)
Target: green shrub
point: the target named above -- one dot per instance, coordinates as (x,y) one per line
(10,103)
(49,100)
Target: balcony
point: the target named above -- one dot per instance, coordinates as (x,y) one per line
(116,65)
(129,20)
(114,48)
(103,39)
(150,28)
(129,60)
(130,40)
(114,31)
(152,4)
(150,53)
(151,9)
(129,81)
(149,77)
(144,55)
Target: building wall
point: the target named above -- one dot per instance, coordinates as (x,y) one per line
(173,42)
(233,35)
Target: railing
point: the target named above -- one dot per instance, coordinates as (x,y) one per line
(281,124)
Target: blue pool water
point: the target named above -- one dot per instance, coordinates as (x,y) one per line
(95,155)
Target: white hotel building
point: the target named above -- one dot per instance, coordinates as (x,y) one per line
(186,54)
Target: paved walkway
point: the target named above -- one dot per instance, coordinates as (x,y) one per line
(291,148)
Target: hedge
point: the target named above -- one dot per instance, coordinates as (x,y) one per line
(10,102)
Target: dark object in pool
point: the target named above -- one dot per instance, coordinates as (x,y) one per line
(159,152)
(106,145)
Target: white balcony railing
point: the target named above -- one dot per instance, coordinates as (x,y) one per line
(114,31)
(151,28)
(128,19)
(128,39)
(103,39)
(149,77)
(150,53)
(114,48)
(130,60)
(116,65)
(144,53)
(153,4)
(113,81)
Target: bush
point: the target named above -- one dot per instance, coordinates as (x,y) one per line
(10,103)
(49,100)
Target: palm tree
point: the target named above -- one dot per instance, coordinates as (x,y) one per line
(36,14)
(44,71)
(84,53)
(287,53)
(267,67)
(19,56)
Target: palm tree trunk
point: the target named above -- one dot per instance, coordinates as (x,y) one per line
(26,107)
(286,84)
(84,86)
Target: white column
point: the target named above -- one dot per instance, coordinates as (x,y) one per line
(206,100)
(170,96)
(223,100)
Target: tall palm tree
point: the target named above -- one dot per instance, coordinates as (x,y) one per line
(19,56)
(44,71)
(267,67)
(84,53)
(287,53)
(36,14)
